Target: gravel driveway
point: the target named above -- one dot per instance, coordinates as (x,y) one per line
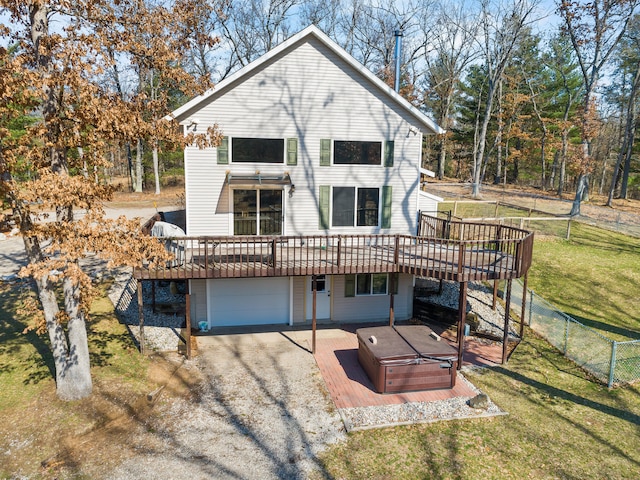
(263,412)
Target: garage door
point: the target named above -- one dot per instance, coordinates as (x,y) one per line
(248,301)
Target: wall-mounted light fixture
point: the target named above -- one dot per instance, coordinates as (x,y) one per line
(194,123)
(413,130)
(292,189)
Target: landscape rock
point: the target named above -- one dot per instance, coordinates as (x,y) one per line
(480,401)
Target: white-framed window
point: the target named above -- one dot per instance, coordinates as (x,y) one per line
(257,150)
(356,152)
(348,152)
(257,212)
(372,284)
(353,206)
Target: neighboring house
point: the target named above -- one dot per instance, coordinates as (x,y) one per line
(314,144)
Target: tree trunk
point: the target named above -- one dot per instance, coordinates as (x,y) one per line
(156,169)
(482,141)
(137,186)
(75,381)
(627,167)
(627,143)
(582,193)
(498,175)
(442,156)
(71,356)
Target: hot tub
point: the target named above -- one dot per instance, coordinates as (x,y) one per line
(406,358)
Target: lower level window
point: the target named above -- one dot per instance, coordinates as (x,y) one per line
(372,284)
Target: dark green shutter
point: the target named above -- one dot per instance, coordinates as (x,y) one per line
(386,206)
(292,151)
(349,285)
(388,153)
(323,201)
(325,152)
(223,151)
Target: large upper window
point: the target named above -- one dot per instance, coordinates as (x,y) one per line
(357,206)
(258,150)
(357,153)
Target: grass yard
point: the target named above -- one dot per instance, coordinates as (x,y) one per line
(42,437)
(594,277)
(561,424)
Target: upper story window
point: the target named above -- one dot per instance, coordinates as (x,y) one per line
(355,205)
(357,153)
(257,150)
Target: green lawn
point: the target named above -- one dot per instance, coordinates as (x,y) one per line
(594,277)
(561,424)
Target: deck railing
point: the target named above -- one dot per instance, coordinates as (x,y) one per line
(443,249)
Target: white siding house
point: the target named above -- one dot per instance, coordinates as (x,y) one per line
(314,144)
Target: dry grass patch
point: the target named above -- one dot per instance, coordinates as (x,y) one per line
(42,437)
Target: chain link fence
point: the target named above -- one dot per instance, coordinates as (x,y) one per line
(611,362)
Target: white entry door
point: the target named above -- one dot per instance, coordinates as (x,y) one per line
(323,297)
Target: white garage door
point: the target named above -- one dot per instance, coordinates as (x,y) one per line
(248,301)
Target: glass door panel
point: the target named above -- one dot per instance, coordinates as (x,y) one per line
(270,212)
(245,212)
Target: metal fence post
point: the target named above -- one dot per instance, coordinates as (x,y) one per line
(566,335)
(612,365)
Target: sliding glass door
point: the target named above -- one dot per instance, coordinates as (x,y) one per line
(257,212)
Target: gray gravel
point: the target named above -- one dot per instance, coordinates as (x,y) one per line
(263,412)
(479,301)
(363,418)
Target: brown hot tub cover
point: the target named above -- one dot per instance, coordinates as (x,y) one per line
(406,358)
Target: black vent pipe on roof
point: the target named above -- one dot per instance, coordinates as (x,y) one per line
(398,35)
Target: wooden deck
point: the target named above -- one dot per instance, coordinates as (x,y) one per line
(443,249)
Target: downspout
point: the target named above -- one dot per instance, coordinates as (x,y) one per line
(398,54)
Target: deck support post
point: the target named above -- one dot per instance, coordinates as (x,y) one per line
(523,311)
(187,319)
(141,316)
(462,313)
(495,294)
(505,336)
(153,296)
(314,284)
(391,297)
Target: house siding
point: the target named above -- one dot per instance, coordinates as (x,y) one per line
(298,299)
(198,289)
(308,93)
(372,308)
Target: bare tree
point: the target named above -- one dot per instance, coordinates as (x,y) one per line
(629,58)
(252,27)
(501,26)
(452,32)
(595,29)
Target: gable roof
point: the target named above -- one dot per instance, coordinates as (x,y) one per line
(311,31)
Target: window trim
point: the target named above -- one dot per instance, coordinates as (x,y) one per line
(356,209)
(371,285)
(285,159)
(350,285)
(257,189)
(336,144)
(328,152)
